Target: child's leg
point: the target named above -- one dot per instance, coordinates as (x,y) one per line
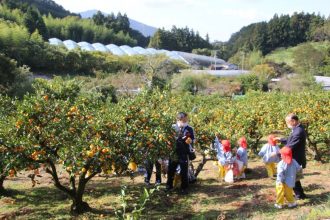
(269,169)
(280,193)
(222,171)
(274,168)
(288,194)
(242,172)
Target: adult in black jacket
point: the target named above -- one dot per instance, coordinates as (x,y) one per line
(297,142)
(184,139)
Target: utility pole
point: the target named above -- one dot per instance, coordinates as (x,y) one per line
(243,54)
(215,60)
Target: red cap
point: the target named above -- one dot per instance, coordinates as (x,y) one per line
(242,142)
(225,145)
(271,140)
(286,154)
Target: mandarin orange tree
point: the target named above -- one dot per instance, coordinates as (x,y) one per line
(143,126)
(313,109)
(63,132)
(10,155)
(85,136)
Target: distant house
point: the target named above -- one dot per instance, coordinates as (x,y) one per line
(226,66)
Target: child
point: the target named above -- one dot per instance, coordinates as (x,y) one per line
(269,153)
(287,170)
(224,156)
(241,155)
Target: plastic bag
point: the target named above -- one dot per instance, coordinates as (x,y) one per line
(229,177)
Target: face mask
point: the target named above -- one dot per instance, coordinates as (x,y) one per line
(289,126)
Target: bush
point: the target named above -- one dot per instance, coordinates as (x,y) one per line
(247,60)
(325,67)
(307,59)
(251,82)
(108,92)
(13,79)
(189,82)
(264,71)
(202,51)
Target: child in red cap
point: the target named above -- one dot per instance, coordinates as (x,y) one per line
(241,155)
(269,153)
(224,156)
(287,170)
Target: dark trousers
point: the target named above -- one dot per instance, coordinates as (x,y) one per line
(150,167)
(183,173)
(298,190)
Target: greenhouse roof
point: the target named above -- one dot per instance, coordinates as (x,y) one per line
(123,50)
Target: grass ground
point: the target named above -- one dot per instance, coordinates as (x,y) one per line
(209,198)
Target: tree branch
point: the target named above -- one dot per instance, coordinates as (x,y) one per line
(73,183)
(90,177)
(201,164)
(57,182)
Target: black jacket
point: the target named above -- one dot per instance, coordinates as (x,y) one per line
(297,142)
(182,148)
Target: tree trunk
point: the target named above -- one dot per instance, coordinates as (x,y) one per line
(2,188)
(79,206)
(255,146)
(315,152)
(201,165)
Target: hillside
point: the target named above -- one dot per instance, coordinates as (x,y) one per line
(280,31)
(44,6)
(286,55)
(146,30)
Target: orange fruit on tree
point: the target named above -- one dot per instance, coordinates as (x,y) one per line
(46,97)
(132,166)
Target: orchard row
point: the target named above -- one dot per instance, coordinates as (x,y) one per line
(61,129)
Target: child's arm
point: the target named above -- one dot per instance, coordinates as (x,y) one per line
(245,156)
(280,173)
(262,151)
(277,149)
(217,146)
(228,157)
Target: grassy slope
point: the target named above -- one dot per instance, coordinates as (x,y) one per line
(209,198)
(286,54)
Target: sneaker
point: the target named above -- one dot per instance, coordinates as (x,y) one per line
(158,183)
(278,206)
(292,205)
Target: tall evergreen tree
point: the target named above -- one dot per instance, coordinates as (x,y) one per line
(99,18)
(33,21)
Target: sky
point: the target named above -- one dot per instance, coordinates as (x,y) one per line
(218,18)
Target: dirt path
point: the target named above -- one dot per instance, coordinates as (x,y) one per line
(209,198)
